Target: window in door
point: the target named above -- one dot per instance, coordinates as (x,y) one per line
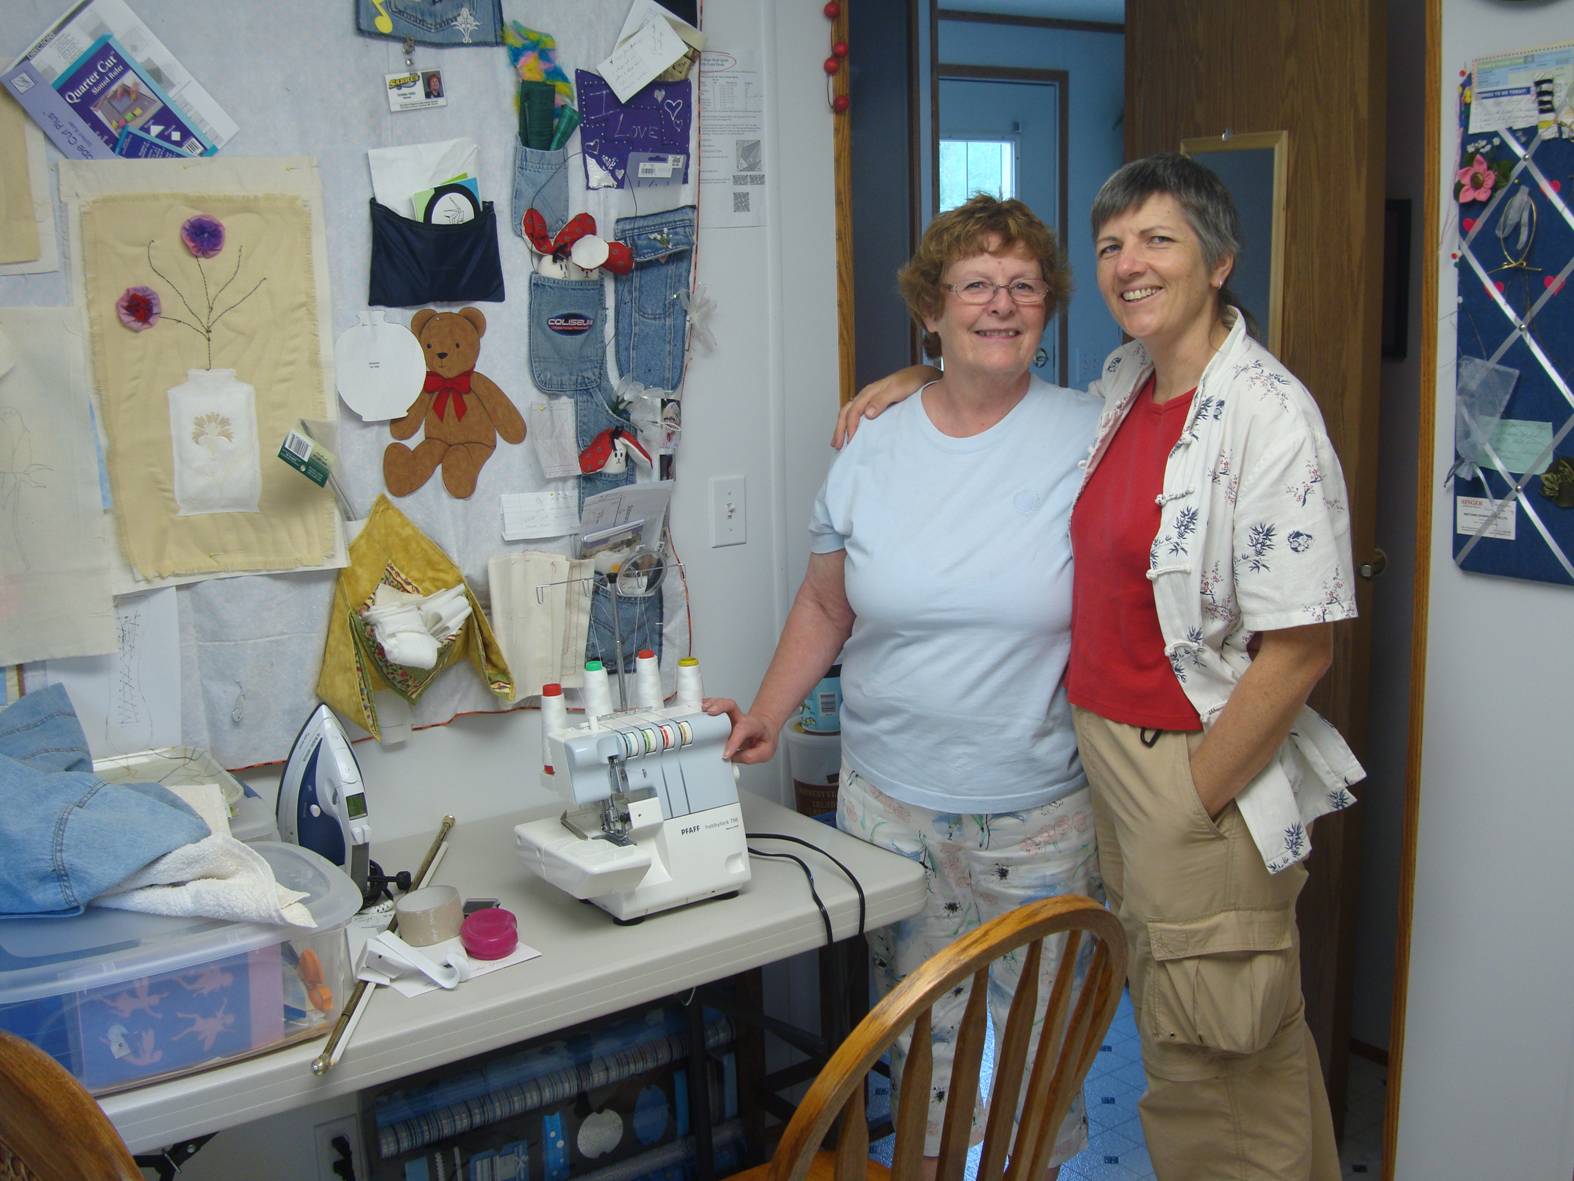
(970,166)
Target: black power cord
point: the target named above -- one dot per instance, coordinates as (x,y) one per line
(863,905)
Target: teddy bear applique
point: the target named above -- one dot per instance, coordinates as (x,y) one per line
(461,412)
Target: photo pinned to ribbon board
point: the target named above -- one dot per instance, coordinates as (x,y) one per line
(1513,476)
(460,412)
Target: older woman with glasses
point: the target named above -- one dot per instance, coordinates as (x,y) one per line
(941,570)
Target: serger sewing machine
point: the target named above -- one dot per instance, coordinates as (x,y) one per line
(652,817)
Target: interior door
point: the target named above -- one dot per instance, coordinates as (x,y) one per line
(1200,67)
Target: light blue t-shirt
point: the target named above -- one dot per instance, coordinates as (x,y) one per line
(958,572)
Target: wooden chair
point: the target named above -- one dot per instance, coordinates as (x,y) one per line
(51,1129)
(1071,1033)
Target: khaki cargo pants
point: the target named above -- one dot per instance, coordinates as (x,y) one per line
(1235,1092)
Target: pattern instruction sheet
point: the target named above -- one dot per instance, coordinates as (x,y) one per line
(732,141)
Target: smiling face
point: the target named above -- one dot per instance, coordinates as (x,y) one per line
(1153,276)
(994,339)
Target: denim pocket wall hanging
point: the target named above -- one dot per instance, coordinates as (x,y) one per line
(540,183)
(433,22)
(414,263)
(651,322)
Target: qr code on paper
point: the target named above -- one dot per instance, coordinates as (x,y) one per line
(740,202)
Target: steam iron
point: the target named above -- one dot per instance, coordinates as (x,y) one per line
(322,802)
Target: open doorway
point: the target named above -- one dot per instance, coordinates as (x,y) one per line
(1002,131)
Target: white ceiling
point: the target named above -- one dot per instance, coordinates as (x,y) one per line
(1112,11)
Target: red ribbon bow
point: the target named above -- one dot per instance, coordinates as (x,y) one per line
(448,389)
(620,259)
(596,454)
(577,227)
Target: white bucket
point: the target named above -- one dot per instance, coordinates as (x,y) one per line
(815,761)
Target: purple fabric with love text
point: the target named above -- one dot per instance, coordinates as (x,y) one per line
(656,119)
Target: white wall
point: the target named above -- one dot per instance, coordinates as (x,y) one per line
(1489,1029)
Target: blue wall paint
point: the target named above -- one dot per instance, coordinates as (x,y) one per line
(1029,113)
(1095,63)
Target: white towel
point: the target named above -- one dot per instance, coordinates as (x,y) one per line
(216,877)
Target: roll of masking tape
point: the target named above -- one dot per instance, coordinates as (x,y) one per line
(429,915)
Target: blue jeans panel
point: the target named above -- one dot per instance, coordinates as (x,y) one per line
(639,626)
(568,357)
(651,323)
(434,22)
(540,183)
(68,836)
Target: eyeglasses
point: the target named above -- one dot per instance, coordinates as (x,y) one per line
(1023,292)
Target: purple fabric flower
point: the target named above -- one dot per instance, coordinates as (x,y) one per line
(139,308)
(203,235)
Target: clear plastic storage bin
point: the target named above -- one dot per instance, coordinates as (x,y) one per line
(120,998)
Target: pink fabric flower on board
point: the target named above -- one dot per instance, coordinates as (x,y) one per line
(203,235)
(1476,180)
(139,308)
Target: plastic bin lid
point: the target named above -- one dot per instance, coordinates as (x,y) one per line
(42,957)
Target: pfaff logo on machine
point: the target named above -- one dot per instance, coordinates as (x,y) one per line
(689,830)
(572,324)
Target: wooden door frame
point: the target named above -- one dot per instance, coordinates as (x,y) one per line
(1426,428)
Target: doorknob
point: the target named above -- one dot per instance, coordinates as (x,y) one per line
(1374,565)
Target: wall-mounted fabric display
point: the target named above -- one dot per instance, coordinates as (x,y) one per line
(1513,478)
(379,367)
(417,262)
(568,359)
(391,551)
(251,645)
(460,412)
(205,266)
(54,544)
(540,183)
(655,120)
(541,613)
(432,22)
(651,315)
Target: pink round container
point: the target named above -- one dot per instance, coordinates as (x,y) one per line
(490,934)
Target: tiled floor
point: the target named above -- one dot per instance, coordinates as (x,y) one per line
(1116,1149)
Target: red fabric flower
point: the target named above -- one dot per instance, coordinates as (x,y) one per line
(139,308)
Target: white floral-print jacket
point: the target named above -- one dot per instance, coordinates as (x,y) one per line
(1254,535)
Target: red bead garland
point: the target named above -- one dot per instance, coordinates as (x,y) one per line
(833,64)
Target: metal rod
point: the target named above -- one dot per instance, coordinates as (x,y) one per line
(357,1002)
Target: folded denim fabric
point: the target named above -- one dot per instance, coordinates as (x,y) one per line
(67,835)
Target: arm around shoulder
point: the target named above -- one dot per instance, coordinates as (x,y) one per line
(879,396)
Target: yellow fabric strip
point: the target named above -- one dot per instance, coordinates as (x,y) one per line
(18,229)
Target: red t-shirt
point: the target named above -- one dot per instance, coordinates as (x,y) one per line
(1118,669)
